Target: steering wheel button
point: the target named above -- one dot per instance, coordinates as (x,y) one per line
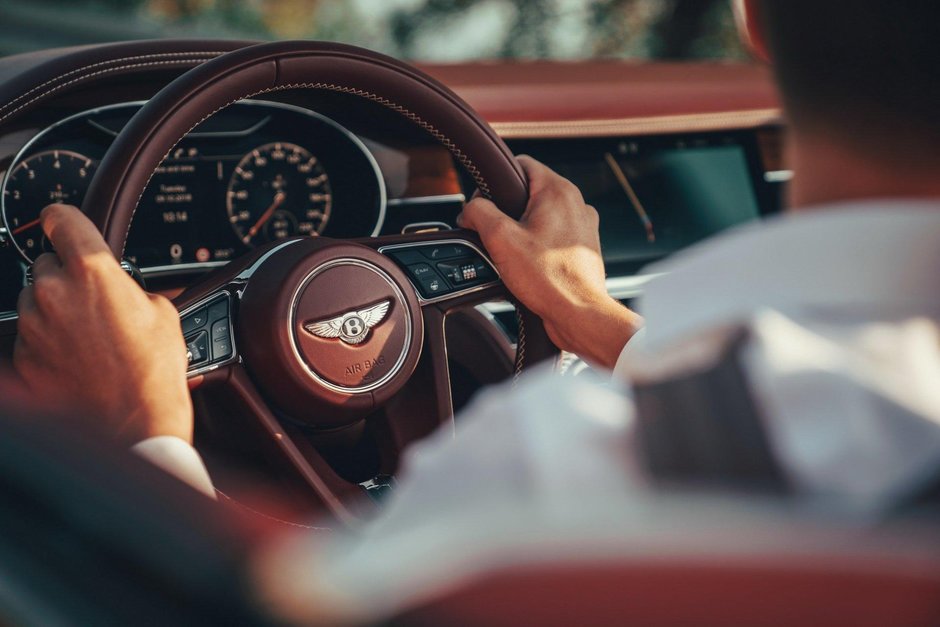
(218,310)
(198,347)
(444,251)
(421,270)
(458,273)
(221,348)
(432,286)
(483,270)
(407,256)
(194,321)
(220,330)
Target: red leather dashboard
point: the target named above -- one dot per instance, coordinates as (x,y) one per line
(539,99)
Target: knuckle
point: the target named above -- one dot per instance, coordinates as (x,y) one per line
(48,292)
(499,231)
(90,267)
(570,191)
(593,216)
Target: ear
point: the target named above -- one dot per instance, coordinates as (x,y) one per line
(751,28)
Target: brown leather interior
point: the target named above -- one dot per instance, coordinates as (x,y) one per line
(567,92)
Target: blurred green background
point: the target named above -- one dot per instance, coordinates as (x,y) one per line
(421,30)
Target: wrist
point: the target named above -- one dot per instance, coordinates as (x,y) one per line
(597,332)
(175,420)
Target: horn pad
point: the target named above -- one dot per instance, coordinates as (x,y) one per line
(350,325)
(330,330)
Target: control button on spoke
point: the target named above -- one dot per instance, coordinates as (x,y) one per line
(421,270)
(198,347)
(194,321)
(430,284)
(407,256)
(221,349)
(218,310)
(220,329)
(484,270)
(433,286)
(221,340)
(459,272)
(444,251)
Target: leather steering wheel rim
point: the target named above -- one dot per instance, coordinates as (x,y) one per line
(165,119)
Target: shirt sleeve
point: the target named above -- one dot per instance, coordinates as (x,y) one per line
(631,349)
(178,458)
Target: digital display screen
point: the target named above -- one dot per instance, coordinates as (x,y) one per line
(655,197)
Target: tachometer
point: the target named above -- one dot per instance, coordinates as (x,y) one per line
(44,178)
(278,190)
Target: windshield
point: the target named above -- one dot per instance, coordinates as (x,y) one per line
(421,30)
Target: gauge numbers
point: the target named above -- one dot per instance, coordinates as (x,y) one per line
(278,190)
(53,176)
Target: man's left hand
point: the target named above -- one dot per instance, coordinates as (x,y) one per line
(90,338)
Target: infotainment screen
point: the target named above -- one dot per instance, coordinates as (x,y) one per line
(657,195)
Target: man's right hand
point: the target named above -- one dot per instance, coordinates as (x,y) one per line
(551,261)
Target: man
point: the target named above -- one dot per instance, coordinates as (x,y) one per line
(839,303)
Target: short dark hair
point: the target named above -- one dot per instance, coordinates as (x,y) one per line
(865,69)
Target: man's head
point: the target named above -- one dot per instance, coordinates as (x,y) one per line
(863,72)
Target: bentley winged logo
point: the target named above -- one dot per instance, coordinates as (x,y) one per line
(351,327)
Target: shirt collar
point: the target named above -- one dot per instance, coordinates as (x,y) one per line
(859,257)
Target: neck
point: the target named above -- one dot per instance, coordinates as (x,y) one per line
(827,172)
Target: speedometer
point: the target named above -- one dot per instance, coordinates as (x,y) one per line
(278,190)
(44,178)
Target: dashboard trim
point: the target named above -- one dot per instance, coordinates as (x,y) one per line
(653,125)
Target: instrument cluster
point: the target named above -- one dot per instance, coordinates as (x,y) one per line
(254,172)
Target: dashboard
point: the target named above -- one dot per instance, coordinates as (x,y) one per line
(311,165)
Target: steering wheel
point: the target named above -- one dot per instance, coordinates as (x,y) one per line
(314,335)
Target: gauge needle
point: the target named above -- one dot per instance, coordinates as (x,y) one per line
(24,227)
(631,195)
(278,199)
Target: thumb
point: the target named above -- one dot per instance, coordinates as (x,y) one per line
(493,226)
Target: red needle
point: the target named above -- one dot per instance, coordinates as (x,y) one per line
(278,199)
(23,227)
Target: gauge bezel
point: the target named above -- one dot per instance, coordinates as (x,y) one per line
(230,199)
(15,165)
(25,152)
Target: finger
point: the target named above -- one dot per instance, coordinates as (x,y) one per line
(46,264)
(26,302)
(539,175)
(72,233)
(485,218)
